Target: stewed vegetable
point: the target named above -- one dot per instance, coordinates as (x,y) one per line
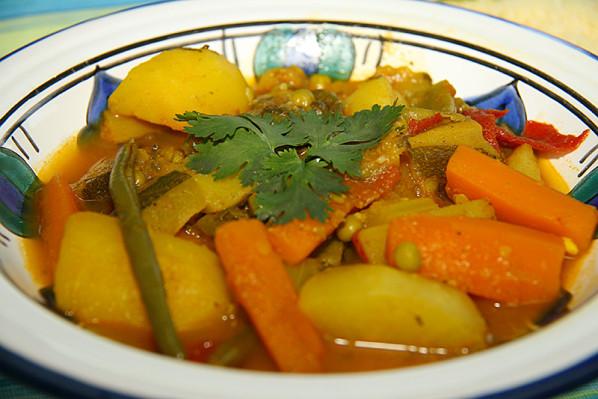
(306,224)
(141,251)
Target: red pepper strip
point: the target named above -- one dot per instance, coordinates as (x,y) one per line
(417,126)
(487,118)
(543,137)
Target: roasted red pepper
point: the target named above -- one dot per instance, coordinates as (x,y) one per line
(487,118)
(417,126)
(543,137)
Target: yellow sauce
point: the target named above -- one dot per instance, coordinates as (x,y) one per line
(71,162)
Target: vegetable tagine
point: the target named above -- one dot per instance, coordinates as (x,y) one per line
(303,224)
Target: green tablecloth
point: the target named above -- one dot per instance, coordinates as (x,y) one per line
(24,21)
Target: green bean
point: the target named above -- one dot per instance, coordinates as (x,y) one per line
(231,353)
(557,309)
(330,253)
(327,255)
(299,274)
(209,222)
(141,252)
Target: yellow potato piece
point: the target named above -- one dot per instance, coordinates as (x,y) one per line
(201,193)
(551,177)
(172,210)
(523,160)
(479,208)
(120,128)
(382,304)
(180,80)
(371,92)
(383,211)
(371,244)
(439,97)
(221,194)
(94,282)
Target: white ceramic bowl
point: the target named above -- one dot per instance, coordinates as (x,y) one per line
(45,89)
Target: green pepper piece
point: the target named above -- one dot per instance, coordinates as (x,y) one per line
(161,186)
(141,252)
(232,352)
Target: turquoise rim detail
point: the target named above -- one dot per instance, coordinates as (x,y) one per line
(325,51)
(586,190)
(337,57)
(18,188)
(270,51)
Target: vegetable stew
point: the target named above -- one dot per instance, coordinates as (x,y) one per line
(304,224)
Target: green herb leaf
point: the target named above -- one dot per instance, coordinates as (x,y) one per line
(214,127)
(314,129)
(273,132)
(291,188)
(243,152)
(344,149)
(263,151)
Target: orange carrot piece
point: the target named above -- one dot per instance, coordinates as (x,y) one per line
(294,241)
(57,203)
(262,286)
(496,260)
(518,199)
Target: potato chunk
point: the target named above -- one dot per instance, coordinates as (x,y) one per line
(371,92)
(379,303)
(120,128)
(180,80)
(169,213)
(524,160)
(222,193)
(95,284)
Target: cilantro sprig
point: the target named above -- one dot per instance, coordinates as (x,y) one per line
(265,152)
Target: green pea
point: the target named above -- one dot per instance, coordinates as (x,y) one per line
(407,256)
(352,224)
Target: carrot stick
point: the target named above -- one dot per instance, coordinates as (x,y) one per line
(492,259)
(294,241)
(57,203)
(518,199)
(262,286)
